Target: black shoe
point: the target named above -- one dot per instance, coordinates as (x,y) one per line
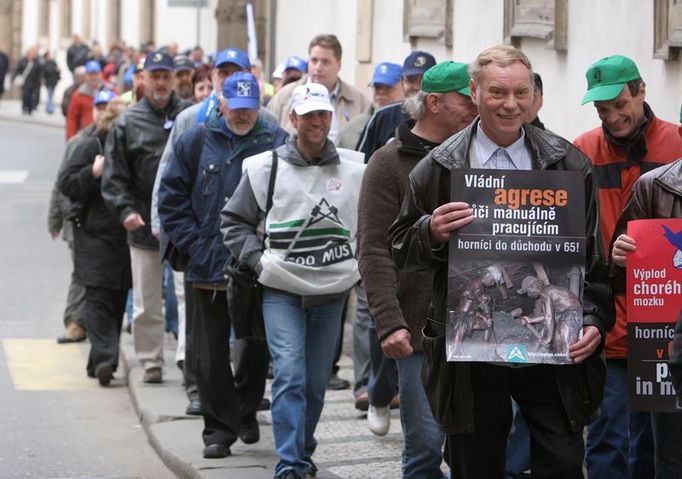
(264,405)
(216,451)
(312,472)
(104,373)
(337,384)
(194,408)
(249,432)
(290,474)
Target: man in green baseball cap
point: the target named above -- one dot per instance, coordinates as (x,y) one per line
(630,141)
(438,110)
(607,77)
(445,98)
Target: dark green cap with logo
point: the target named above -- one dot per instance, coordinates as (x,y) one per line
(445,77)
(607,77)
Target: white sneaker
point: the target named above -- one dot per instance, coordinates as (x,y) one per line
(379,419)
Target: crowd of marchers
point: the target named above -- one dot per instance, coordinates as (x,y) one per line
(180,169)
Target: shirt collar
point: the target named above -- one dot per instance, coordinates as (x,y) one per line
(486,148)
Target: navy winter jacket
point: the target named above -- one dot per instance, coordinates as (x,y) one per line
(196,185)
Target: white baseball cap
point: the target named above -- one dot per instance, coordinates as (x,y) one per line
(310,97)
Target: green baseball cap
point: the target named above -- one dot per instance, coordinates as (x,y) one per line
(607,77)
(447,76)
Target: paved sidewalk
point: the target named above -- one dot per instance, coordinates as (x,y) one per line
(346,449)
(11,110)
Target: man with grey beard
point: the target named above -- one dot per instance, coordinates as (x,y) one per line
(184,71)
(133,150)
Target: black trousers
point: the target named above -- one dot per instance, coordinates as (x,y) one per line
(251,359)
(191,388)
(556,451)
(103,312)
(225,398)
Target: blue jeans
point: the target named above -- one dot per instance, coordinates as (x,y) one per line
(518,447)
(619,443)
(129,306)
(382,370)
(361,363)
(422,439)
(302,343)
(171,300)
(667,431)
(49,107)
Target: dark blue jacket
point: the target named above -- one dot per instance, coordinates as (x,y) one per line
(380,128)
(196,184)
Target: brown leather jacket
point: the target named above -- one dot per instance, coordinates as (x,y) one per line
(447,384)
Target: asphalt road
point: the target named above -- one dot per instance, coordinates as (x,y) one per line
(54,421)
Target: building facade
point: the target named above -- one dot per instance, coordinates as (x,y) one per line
(561,38)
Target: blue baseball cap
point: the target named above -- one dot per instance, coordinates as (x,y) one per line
(159,61)
(241,90)
(93,66)
(296,63)
(417,63)
(104,96)
(233,55)
(386,74)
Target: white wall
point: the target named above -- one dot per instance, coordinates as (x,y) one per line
(179,24)
(29,24)
(76,17)
(388,24)
(298,21)
(595,30)
(130,22)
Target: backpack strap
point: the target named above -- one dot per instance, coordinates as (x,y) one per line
(271,190)
(271,184)
(198,147)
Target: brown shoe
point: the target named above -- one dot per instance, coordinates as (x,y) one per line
(153,376)
(395,402)
(73,333)
(362,401)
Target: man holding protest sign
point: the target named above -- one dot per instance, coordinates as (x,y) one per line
(656,194)
(471,400)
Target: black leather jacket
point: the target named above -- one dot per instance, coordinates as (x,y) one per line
(581,386)
(133,151)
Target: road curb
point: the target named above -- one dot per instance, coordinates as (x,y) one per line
(148,419)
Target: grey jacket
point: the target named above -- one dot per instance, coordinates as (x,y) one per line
(242,215)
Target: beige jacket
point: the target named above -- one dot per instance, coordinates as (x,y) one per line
(350,103)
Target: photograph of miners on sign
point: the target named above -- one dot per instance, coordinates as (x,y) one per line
(514,312)
(516,273)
